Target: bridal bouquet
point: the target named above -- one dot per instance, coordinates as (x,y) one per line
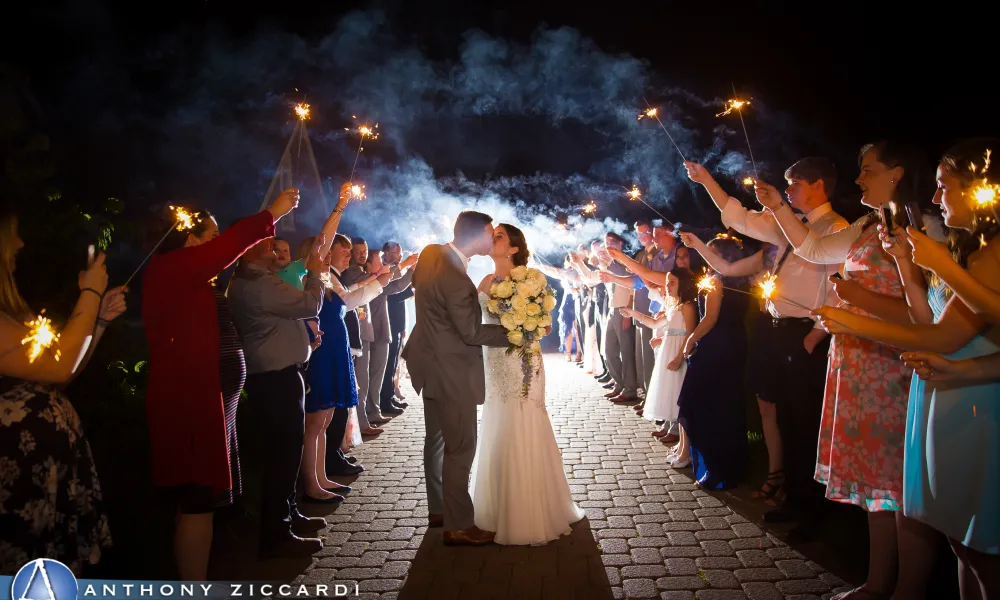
(523,301)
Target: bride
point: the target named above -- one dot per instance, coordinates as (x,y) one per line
(519,485)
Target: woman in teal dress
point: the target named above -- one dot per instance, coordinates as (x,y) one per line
(951,479)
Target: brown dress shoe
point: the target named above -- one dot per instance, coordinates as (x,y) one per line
(623,399)
(473,536)
(670,438)
(372,431)
(435,520)
(614,392)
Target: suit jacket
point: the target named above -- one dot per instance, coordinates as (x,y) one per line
(397,310)
(444,353)
(352,322)
(379,306)
(352,275)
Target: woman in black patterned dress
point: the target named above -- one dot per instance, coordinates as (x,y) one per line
(50,497)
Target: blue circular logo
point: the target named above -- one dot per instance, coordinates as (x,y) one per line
(44,579)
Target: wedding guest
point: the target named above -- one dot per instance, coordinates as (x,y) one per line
(53,506)
(712,415)
(392,256)
(673,326)
(370,366)
(196,372)
(950,480)
(860,458)
(293,272)
(619,344)
(789,355)
(354,296)
(399,278)
(644,355)
(270,315)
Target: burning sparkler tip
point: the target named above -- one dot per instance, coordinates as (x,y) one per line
(302,111)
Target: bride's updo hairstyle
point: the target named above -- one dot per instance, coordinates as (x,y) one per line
(516,237)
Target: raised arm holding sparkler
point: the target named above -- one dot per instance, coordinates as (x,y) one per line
(745,267)
(32,350)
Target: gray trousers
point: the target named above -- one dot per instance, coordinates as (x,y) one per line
(619,352)
(369,369)
(645,356)
(449,450)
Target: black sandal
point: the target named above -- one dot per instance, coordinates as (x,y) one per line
(772,486)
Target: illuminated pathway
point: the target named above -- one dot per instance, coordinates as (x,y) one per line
(649,532)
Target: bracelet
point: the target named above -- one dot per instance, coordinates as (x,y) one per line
(103,322)
(99,295)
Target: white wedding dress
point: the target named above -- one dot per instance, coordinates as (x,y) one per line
(518,482)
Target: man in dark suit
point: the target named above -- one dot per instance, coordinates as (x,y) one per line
(445,358)
(392,254)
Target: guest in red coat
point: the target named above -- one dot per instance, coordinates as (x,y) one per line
(197,372)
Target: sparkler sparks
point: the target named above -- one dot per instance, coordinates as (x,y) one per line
(984,193)
(302,111)
(590,208)
(358,191)
(651,113)
(733,104)
(749,181)
(185,220)
(41,336)
(767,286)
(634,193)
(363,131)
(706,284)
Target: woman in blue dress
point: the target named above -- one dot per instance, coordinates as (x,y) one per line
(569,341)
(711,401)
(952,445)
(332,391)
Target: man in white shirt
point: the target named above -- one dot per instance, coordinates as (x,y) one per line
(788,358)
(619,341)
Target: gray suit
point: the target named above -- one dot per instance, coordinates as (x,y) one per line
(369,368)
(444,355)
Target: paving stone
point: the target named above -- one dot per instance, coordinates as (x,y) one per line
(745,575)
(721,595)
(760,590)
(649,571)
(646,556)
(756,558)
(719,562)
(640,588)
(721,578)
(795,569)
(802,586)
(681,566)
(717,548)
(682,538)
(687,582)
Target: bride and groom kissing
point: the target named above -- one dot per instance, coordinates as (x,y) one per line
(519,494)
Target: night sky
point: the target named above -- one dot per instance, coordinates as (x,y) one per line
(117,94)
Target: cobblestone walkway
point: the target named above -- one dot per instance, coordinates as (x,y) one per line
(649,532)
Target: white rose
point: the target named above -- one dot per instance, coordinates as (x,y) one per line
(508,322)
(519,316)
(530,324)
(545,321)
(549,303)
(525,289)
(532,309)
(519,273)
(504,290)
(493,305)
(515,337)
(518,303)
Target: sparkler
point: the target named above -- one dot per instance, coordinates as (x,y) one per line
(706,283)
(736,104)
(364,131)
(302,111)
(635,194)
(41,336)
(653,114)
(985,193)
(589,208)
(185,222)
(749,181)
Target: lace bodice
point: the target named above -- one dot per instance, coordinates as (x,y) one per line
(505,376)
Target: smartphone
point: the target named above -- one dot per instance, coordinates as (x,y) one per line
(887,223)
(915,217)
(90,255)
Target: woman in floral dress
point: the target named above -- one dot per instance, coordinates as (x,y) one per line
(50,497)
(860,454)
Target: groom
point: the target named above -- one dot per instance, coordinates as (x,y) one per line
(444,356)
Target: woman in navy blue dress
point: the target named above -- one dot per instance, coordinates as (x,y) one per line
(568,338)
(711,402)
(332,391)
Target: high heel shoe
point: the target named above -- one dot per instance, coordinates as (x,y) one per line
(677,463)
